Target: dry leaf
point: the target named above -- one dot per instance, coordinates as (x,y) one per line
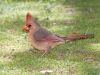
(12,30)
(46,71)
(89,59)
(68,22)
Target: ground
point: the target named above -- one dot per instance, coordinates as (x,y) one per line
(63,17)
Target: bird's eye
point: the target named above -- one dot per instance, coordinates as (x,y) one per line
(29,26)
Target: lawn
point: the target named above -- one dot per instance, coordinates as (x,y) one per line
(80,57)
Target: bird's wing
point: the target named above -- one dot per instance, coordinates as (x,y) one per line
(46,36)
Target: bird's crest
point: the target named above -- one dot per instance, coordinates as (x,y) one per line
(29,16)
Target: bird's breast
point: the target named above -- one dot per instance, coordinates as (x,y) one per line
(40,45)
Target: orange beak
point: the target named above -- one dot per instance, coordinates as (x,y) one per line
(25,28)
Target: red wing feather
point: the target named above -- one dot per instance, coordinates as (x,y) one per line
(46,36)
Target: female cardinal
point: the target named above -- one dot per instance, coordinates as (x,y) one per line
(42,39)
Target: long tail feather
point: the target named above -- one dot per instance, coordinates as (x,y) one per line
(75,37)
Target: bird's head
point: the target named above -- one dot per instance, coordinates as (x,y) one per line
(30,23)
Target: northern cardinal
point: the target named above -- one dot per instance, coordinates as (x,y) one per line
(42,39)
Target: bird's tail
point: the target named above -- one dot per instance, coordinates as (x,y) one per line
(75,37)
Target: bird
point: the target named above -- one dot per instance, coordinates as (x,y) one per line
(43,39)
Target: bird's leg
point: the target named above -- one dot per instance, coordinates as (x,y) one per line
(45,52)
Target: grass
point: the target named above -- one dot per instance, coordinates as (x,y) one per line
(81,57)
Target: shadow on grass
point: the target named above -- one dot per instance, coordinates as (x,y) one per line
(92,71)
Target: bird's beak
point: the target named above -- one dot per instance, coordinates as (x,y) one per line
(25,28)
